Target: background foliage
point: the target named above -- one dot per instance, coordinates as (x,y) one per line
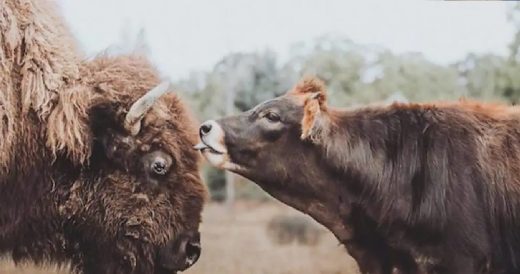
(355,74)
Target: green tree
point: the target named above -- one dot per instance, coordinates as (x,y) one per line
(357,74)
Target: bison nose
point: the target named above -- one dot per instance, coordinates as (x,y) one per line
(181,253)
(205,128)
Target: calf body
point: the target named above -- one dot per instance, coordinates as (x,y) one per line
(407,187)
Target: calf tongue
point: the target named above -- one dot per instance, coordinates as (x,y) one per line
(200,146)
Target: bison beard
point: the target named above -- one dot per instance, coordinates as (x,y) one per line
(79,181)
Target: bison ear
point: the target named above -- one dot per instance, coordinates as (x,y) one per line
(117,145)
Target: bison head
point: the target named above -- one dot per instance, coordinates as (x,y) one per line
(96,165)
(126,195)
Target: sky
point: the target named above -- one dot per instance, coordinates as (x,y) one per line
(192,35)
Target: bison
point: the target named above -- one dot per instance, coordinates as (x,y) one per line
(96,165)
(415,187)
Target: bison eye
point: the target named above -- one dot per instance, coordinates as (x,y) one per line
(272,117)
(159,167)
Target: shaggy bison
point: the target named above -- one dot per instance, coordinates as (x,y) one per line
(96,165)
(438,183)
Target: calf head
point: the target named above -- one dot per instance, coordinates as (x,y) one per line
(270,142)
(273,145)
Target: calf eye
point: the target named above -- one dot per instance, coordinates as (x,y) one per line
(159,167)
(272,117)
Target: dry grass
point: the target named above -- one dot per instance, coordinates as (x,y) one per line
(236,242)
(7,267)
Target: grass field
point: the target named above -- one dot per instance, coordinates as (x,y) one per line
(236,242)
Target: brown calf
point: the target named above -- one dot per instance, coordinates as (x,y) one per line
(437,184)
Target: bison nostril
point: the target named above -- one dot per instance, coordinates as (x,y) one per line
(180,253)
(192,252)
(205,129)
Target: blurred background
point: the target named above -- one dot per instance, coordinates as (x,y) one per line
(226,56)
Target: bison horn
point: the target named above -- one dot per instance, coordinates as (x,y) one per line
(139,109)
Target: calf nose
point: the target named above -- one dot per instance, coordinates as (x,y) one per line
(205,128)
(181,253)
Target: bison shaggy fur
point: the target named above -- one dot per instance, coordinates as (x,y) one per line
(75,185)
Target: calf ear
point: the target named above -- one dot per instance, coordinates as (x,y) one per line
(311,87)
(313,117)
(313,92)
